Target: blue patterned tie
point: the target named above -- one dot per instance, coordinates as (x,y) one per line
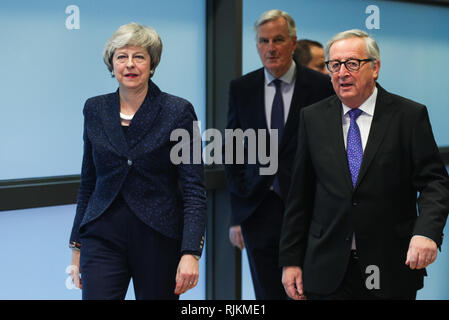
(277,122)
(354,146)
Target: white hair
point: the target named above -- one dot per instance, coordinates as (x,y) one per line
(273,14)
(371,46)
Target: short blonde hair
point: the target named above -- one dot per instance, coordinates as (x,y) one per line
(134,34)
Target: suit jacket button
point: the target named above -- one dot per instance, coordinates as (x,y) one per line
(130,163)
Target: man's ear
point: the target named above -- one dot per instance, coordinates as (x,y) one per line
(376,67)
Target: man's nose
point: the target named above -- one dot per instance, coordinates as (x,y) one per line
(343,71)
(271,46)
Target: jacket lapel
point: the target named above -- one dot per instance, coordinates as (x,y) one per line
(141,123)
(110,115)
(334,121)
(257,117)
(145,116)
(298,100)
(381,119)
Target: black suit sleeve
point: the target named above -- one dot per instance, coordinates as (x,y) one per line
(235,172)
(430,178)
(299,204)
(88,180)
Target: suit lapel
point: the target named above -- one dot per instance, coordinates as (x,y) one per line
(256,116)
(145,116)
(110,115)
(334,120)
(299,99)
(381,119)
(141,123)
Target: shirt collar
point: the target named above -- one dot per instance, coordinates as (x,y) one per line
(287,77)
(367,106)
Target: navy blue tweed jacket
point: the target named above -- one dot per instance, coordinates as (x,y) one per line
(169,198)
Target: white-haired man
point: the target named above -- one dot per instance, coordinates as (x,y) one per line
(351,229)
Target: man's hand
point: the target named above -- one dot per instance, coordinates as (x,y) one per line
(422,251)
(292,281)
(236,237)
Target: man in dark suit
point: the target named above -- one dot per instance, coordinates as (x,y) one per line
(366,160)
(268,99)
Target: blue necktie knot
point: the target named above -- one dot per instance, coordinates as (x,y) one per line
(355,113)
(277,83)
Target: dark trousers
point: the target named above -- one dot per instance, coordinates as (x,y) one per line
(353,286)
(118,247)
(261,233)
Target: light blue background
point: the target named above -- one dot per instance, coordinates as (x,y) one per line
(49,71)
(414,47)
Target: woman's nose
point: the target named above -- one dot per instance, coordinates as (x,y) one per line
(130,62)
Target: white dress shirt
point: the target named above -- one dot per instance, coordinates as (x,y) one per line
(288,80)
(364,124)
(363,121)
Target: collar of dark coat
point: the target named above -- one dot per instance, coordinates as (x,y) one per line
(141,123)
(299,99)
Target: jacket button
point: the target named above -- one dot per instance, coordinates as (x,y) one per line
(130,163)
(355,203)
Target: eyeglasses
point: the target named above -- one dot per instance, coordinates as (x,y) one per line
(350,64)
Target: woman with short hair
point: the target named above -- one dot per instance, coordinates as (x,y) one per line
(139,216)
